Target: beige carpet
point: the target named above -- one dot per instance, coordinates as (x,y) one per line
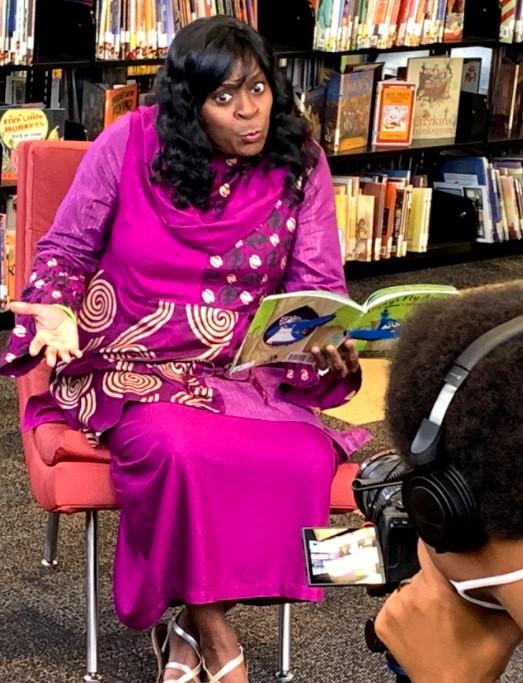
(368,404)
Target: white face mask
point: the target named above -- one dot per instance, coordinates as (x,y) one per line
(462,587)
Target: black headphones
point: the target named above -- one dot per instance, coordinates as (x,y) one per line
(439,501)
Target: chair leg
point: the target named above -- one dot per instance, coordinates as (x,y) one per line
(51,540)
(91,538)
(284,672)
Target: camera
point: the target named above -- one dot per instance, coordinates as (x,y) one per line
(377,492)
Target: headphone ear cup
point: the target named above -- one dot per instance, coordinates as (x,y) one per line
(443,511)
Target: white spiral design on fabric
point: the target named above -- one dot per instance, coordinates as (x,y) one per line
(213,326)
(68,390)
(98,307)
(175,370)
(186,399)
(87,406)
(116,384)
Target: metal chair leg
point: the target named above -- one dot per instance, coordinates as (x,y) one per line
(284,672)
(51,540)
(91,539)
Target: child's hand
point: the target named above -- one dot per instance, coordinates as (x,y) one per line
(55,331)
(341,362)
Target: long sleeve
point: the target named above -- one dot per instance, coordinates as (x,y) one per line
(316,263)
(69,253)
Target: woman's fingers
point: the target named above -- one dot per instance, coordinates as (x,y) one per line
(23,308)
(336,362)
(320,358)
(350,355)
(37,344)
(51,355)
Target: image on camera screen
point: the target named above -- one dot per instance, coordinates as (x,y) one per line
(343,557)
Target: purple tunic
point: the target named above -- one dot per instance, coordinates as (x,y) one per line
(164,298)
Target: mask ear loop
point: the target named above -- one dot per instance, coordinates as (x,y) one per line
(462,587)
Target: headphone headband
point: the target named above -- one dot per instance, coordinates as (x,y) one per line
(424,448)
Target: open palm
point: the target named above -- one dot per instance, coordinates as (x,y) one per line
(56,332)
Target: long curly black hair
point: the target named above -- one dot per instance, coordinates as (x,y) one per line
(482,433)
(200,58)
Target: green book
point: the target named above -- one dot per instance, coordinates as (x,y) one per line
(286,326)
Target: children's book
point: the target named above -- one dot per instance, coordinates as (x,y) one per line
(22,123)
(438,87)
(287,326)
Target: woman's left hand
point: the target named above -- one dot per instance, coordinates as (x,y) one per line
(342,361)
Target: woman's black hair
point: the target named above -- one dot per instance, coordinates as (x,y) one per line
(200,58)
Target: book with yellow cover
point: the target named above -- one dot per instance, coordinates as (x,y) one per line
(438,87)
(394,113)
(287,326)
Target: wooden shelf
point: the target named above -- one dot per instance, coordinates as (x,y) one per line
(437,255)
(436,47)
(420,146)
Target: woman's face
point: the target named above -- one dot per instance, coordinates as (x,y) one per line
(237,114)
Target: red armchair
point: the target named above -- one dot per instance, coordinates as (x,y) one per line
(66,474)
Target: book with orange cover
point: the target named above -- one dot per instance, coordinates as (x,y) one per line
(394,113)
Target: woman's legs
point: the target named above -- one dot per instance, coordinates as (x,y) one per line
(218,642)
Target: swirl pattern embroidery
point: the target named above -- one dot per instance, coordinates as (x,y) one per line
(87,406)
(98,308)
(68,391)
(117,384)
(125,346)
(214,328)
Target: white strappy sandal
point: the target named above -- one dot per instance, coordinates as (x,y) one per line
(160,637)
(226,668)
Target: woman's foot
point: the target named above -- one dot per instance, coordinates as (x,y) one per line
(218,649)
(180,650)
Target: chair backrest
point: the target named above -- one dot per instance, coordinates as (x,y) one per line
(46,169)
(45,172)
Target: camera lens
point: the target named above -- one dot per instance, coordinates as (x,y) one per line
(382,467)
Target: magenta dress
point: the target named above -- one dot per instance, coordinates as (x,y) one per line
(215,477)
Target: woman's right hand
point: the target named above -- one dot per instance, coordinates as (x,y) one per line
(56,332)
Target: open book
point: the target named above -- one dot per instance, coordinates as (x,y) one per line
(287,326)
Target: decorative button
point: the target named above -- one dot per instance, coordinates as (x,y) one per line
(208,296)
(20,331)
(225,190)
(274,240)
(231,162)
(216,261)
(291,224)
(245,297)
(56,294)
(52,262)
(239,244)
(231,279)
(255,261)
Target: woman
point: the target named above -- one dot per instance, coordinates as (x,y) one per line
(181,218)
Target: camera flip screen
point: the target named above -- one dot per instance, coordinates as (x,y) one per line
(343,557)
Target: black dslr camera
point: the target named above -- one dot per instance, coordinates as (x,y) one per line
(377,492)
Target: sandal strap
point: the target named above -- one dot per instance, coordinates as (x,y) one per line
(226,668)
(175,626)
(188,674)
(182,633)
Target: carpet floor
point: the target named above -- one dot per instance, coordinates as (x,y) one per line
(42,631)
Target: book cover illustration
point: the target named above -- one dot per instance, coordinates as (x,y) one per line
(471,75)
(394,113)
(19,124)
(347,114)
(454,21)
(287,326)
(438,86)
